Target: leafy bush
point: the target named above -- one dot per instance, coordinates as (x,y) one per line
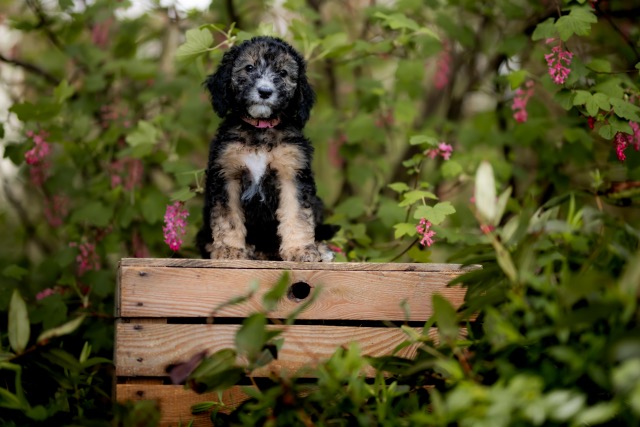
(108,126)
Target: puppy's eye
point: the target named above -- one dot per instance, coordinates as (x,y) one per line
(283,73)
(249,68)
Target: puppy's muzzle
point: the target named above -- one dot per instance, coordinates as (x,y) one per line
(265,92)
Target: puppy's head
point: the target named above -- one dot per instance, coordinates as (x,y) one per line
(262,78)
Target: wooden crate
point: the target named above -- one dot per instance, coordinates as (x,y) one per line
(162,306)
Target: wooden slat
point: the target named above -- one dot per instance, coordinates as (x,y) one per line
(147,349)
(284,265)
(175,402)
(355,295)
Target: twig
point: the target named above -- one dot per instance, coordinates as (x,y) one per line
(618,30)
(32,69)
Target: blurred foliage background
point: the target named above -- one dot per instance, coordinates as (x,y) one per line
(105,123)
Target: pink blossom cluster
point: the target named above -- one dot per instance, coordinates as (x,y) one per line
(443,67)
(87,258)
(56,209)
(520,101)
(443,150)
(425,233)
(109,114)
(38,157)
(48,292)
(624,140)
(126,172)
(558,62)
(175,225)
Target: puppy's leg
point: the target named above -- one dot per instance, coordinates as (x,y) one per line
(227,226)
(296,226)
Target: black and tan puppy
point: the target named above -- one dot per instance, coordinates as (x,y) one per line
(260,195)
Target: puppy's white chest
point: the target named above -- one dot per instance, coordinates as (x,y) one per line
(256,163)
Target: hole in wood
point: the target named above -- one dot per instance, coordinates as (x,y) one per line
(299,291)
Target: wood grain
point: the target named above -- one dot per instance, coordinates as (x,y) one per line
(147,349)
(175,402)
(352,295)
(286,265)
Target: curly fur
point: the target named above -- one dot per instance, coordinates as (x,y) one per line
(260,194)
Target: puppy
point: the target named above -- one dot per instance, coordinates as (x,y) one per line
(260,194)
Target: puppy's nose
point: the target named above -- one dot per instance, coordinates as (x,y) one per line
(265,92)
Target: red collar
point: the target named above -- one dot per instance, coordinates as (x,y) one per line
(262,123)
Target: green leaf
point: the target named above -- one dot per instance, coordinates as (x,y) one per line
(600,65)
(271,298)
(485,193)
(398,21)
(446,318)
(182,195)
(404,229)
(153,206)
(15,272)
(451,169)
(638,66)
(436,214)
(625,109)
(251,336)
(501,205)
(564,98)
(516,78)
(38,413)
(504,260)
(61,330)
(62,92)
(26,111)
(198,42)
(399,187)
(352,207)
(544,30)
(144,134)
(19,328)
(577,22)
(606,131)
(581,97)
(93,213)
(423,140)
(602,101)
(413,196)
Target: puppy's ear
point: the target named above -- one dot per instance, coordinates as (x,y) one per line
(305,98)
(300,106)
(219,83)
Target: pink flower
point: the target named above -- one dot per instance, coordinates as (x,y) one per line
(520,101)
(623,140)
(175,224)
(425,233)
(45,293)
(443,67)
(126,172)
(56,209)
(558,62)
(38,158)
(87,258)
(443,150)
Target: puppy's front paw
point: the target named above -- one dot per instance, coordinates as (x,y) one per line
(309,253)
(221,251)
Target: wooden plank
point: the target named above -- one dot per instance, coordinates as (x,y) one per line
(356,295)
(285,265)
(147,349)
(175,402)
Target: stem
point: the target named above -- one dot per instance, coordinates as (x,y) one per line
(32,69)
